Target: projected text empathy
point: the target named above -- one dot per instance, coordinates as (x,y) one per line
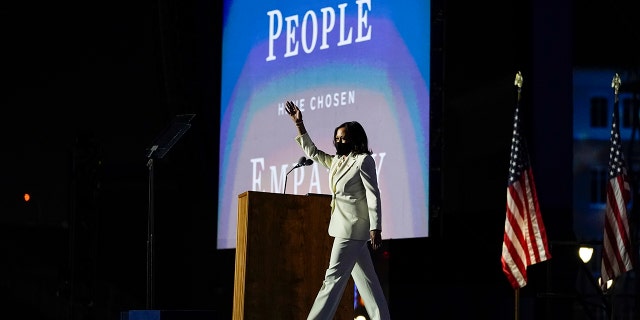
(277,179)
(310,20)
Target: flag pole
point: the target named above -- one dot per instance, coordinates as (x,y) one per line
(616,244)
(525,239)
(615,84)
(518,83)
(517,302)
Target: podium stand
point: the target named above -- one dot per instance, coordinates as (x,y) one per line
(282,253)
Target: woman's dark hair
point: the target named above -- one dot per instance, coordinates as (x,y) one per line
(355,134)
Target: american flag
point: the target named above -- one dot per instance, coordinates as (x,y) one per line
(616,247)
(525,238)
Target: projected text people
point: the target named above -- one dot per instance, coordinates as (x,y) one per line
(309,38)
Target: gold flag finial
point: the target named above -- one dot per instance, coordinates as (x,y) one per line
(615,83)
(518,81)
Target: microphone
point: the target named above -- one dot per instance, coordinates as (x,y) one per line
(301,163)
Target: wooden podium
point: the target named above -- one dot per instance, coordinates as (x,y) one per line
(282,253)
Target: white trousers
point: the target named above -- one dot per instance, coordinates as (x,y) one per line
(350,257)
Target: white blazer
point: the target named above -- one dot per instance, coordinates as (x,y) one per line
(355,201)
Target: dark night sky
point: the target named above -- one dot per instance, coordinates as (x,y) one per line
(91,75)
(87,88)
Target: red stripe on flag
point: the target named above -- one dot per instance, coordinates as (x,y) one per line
(616,245)
(525,240)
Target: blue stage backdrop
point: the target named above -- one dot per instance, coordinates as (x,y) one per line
(362,60)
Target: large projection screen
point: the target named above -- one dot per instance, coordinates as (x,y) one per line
(359,60)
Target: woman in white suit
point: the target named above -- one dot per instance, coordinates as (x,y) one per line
(355,218)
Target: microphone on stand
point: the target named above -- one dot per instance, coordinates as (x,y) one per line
(301,163)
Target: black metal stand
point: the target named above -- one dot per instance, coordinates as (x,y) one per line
(150,233)
(179,125)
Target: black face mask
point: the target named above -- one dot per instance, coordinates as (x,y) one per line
(343,148)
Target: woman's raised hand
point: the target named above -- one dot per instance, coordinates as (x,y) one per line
(293,111)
